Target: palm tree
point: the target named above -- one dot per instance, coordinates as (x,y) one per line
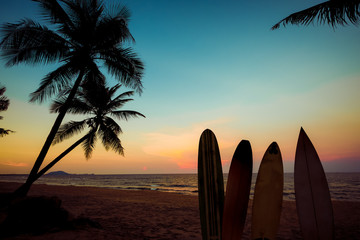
(332,12)
(83,34)
(4,104)
(99,103)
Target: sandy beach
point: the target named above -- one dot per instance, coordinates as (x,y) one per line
(130,214)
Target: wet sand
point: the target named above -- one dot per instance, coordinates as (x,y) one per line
(130,214)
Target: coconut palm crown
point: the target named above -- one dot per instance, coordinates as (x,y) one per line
(332,12)
(82,35)
(101,105)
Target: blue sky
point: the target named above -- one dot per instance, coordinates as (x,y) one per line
(215,64)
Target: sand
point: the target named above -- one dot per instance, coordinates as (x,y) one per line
(131,214)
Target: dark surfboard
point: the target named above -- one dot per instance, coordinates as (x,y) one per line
(313,201)
(211,186)
(237,192)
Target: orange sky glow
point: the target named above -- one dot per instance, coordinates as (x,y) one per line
(244,82)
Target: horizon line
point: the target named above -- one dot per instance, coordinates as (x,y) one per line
(3,174)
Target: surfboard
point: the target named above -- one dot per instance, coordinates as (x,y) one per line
(211,186)
(313,201)
(268,195)
(237,192)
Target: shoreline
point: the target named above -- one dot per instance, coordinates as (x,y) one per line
(149,214)
(155,189)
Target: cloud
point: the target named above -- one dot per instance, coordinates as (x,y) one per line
(181,145)
(167,145)
(187,165)
(15,164)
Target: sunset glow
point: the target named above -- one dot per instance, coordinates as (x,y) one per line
(216,66)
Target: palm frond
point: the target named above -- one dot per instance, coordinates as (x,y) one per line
(113,27)
(126,114)
(93,78)
(57,105)
(2,90)
(110,125)
(4,101)
(30,42)
(111,91)
(54,82)
(85,16)
(77,106)
(124,94)
(53,12)
(118,103)
(69,129)
(125,66)
(119,33)
(89,144)
(4,132)
(110,139)
(333,12)
(85,10)
(119,11)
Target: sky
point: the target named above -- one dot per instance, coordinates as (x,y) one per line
(208,64)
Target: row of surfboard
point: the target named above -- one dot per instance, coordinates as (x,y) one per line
(223,217)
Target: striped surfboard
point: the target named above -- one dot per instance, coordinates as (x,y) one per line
(211,186)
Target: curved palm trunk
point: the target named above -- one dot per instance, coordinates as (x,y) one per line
(56,160)
(24,189)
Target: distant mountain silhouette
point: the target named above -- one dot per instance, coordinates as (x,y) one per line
(58,173)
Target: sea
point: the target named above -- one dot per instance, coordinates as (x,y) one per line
(343,186)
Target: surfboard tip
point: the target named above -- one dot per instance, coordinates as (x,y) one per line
(244,141)
(273,148)
(206,132)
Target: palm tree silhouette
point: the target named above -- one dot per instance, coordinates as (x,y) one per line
(82,35)
(332,12)
(98,102)
(4,104)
